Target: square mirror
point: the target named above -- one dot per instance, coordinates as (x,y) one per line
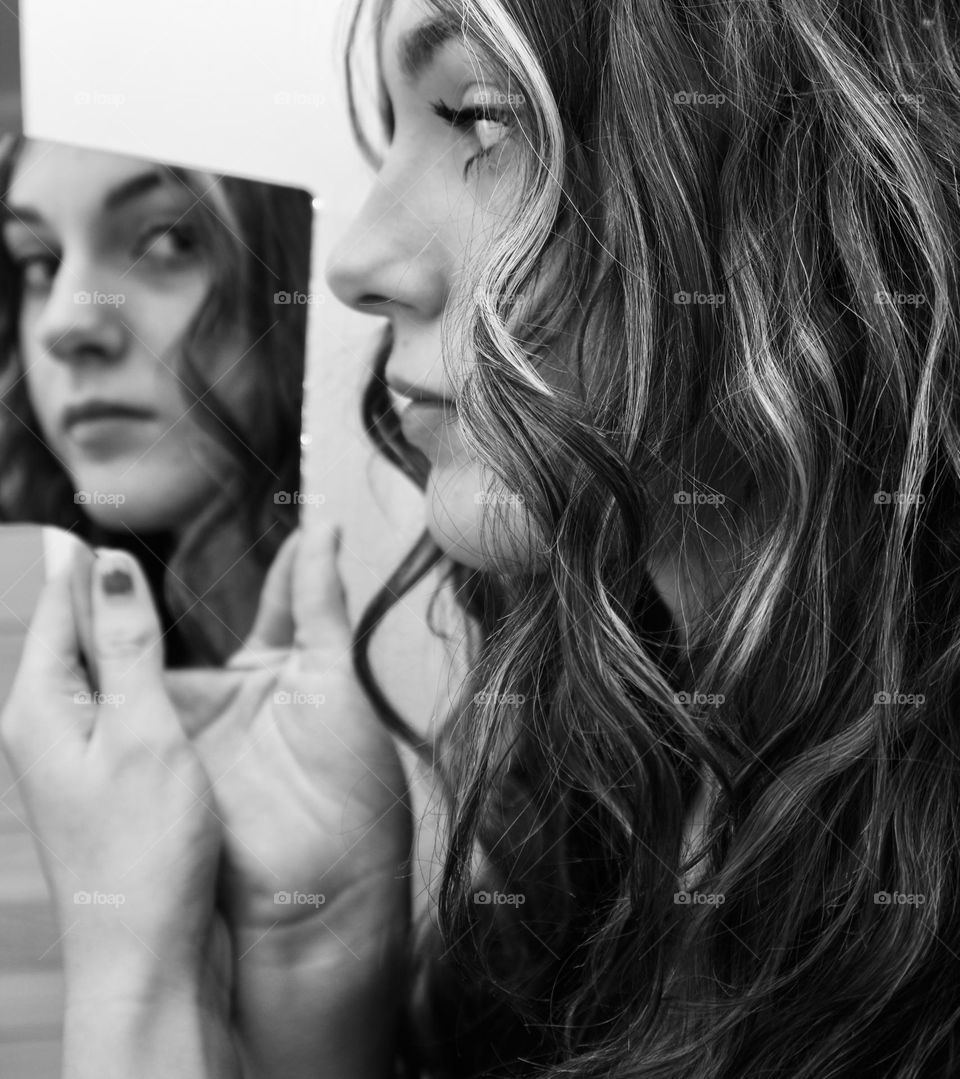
(159,307)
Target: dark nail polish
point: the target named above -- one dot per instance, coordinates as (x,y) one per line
(117,583)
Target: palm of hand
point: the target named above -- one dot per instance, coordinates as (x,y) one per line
(310,791)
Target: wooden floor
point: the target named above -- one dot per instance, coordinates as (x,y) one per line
(31,981)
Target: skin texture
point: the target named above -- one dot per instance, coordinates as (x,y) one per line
(414,240)
(272,776)
(409,254)
(109,293)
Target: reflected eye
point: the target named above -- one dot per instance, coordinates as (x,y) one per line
(168,243)
(37,271)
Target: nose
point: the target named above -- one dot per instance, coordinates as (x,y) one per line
(392,260)
(81,319)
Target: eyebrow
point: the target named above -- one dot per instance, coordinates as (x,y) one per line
(419,46)
(123,194)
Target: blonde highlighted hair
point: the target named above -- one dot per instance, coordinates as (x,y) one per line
(749,217)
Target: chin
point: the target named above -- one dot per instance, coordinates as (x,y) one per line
(123,518)
(475,527)
(119,510)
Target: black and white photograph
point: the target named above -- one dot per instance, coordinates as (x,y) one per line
(480,539)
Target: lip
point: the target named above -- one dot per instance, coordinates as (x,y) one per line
(98,411)
(428,425)
(419,395)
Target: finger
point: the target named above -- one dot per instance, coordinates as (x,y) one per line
(273,626)
(50,667)
(321,621)
(128,645)
(83,560)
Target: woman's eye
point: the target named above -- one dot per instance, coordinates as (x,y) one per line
(168,243)
(490,131)
(37,271)
(490,124)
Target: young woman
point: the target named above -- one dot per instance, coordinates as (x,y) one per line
(150,382)
(673,307)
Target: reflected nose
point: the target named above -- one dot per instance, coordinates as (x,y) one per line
(81,319)
(392,259)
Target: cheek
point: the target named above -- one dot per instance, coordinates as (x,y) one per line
(477,522)
(232,369)
(43,379)
(157,319)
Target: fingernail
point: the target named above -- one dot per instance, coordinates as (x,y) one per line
(116,580)
(116,583)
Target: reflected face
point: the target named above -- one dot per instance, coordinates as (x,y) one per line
(447,183)
(112,278)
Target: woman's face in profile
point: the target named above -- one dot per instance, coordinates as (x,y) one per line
(112,279)
(446,183)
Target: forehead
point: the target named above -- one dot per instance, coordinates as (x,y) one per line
(397,18)
(415,36)
(56,176)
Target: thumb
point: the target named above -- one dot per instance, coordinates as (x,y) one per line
(50,675)
(273,626)
(320,617)
(127,641)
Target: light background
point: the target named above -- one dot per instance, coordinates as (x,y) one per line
(256,90)
(200,86)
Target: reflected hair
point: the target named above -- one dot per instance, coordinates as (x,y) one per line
(740,231)
(256,238)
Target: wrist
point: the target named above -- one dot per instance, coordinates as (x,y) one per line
(159,1027)
(118,972)
(364,919)
(314,1003)
(146,1013)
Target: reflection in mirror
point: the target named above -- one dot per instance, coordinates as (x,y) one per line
(10,117)
(151,372)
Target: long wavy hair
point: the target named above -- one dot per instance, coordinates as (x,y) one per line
(256,238)
(750,214)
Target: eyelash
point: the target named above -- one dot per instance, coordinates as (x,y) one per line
(462,119)
(183,235)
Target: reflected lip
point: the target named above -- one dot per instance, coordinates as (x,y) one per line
(419,395)
(90,411)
